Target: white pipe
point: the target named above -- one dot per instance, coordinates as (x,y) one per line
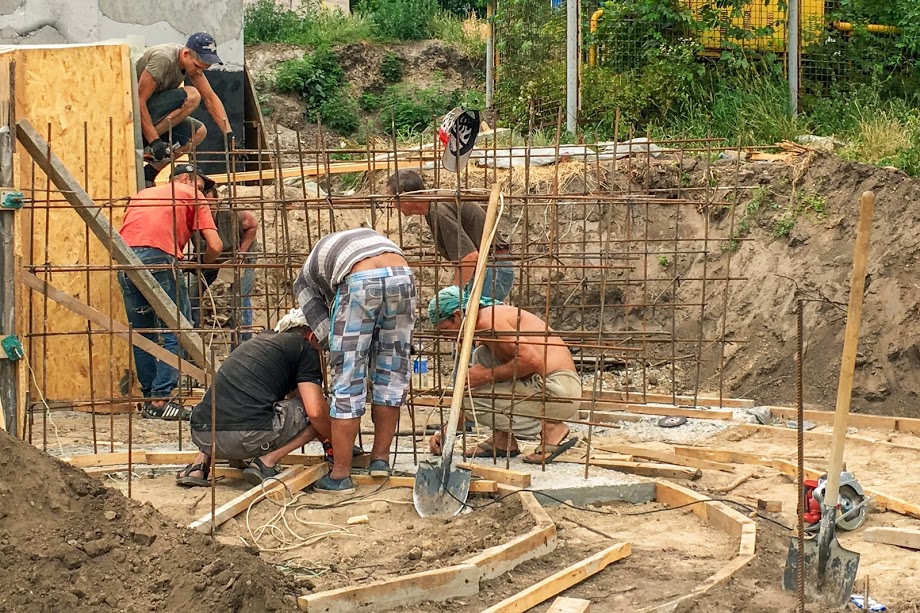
(792,41)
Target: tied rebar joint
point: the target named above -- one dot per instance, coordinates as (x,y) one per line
(12,200)
(12,347)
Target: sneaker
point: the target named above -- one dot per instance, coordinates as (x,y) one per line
(335,486)
(171,411)
(379,468)
(259,472)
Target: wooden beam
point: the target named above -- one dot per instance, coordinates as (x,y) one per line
(674,495)
(667,457)
(242,502)
(561,581)
(516,478)
(116,327)
(702,401)
(606,417)
(441,584)
(645,469)
(301,481)
(71,190)
(899,537)
(311,170)
(724,455)
(108,459)
(819,436)
(670,410)
(570,605)
(857,420)
(479,486)
(539,541)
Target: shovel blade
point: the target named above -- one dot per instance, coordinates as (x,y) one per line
(438,491)
(835,587)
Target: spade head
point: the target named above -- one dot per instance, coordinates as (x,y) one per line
(440,489)
(835,587)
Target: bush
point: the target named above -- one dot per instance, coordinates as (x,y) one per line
(311,25)
(391,68)
(370,102)
(400,19)
(315,78)
(411,109)
(340,112)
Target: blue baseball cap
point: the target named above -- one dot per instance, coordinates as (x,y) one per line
(205,46)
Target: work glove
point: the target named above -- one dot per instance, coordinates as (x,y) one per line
(159,150)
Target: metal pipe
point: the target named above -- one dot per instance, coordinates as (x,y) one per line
(572,64)
(592,50)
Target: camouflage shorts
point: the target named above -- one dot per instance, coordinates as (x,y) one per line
(372,319)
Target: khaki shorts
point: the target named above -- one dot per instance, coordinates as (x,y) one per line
(289,421)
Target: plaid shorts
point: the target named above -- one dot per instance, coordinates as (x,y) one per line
(372,319)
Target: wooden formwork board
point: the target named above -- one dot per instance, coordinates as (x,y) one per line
(729,456)
(451,582)
(856,420)
(820,436)
(702,401)
(88,114)
(719,516)
(666,456)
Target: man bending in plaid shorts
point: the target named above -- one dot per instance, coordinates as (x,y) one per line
(358,296)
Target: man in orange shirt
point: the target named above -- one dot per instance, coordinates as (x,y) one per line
(158,224)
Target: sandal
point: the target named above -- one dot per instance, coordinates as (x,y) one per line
(259,472)
(485,450)
(185,478)
(171,411)
(554,451)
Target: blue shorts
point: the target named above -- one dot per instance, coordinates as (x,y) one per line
(373,315)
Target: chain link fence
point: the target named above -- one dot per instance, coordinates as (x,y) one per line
(650,57)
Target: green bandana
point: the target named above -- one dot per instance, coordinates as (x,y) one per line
(448,301)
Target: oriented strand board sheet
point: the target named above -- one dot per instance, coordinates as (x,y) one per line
(79,98)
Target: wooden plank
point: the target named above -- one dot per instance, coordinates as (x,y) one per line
(670,410)
(569,605)
(899,537)
(724,455)
(819,436)
(301,481)
(242,502)
(516,478)
(674,495)
(748,545)
(666,457)
(108,459)
(81,110)
(118,329)
(703,401)
(893,503)
(539,541)
(107,408)
(477,486)
(309,170)
(790,469)
(724,518)
(561,581)
(645,469)
(606,417)
(441,584)
(95,218)
(857,420)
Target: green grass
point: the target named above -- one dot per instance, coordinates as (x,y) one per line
(309,25)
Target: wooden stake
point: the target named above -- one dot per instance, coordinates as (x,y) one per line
(569,605)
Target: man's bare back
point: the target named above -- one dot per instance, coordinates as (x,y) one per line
(546,354)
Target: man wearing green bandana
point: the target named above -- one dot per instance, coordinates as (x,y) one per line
(522,379)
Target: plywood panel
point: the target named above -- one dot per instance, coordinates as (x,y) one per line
(80,98)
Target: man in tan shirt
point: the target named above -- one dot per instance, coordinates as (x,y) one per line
(523,380)
(166,106)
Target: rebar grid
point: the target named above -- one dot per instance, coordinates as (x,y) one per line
(624,258)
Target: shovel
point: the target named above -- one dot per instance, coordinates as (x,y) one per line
(830,570)
(440,487)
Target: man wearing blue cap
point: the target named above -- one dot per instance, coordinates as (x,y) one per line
(165,106)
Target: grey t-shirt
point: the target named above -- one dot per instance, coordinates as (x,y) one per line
(162,62)
(457,232)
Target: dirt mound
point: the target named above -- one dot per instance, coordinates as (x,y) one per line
(69,543)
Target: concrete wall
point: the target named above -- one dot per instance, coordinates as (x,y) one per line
(43,22)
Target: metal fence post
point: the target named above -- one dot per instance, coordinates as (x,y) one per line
(572,64)
(9,375)
(792,55)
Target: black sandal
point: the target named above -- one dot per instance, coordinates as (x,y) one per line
(185,478)
(171,411)
(259,472)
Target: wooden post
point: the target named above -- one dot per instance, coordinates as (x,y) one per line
(70,189)
(9,369)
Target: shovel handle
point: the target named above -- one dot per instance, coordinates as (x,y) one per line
(850,343)
(469,327)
